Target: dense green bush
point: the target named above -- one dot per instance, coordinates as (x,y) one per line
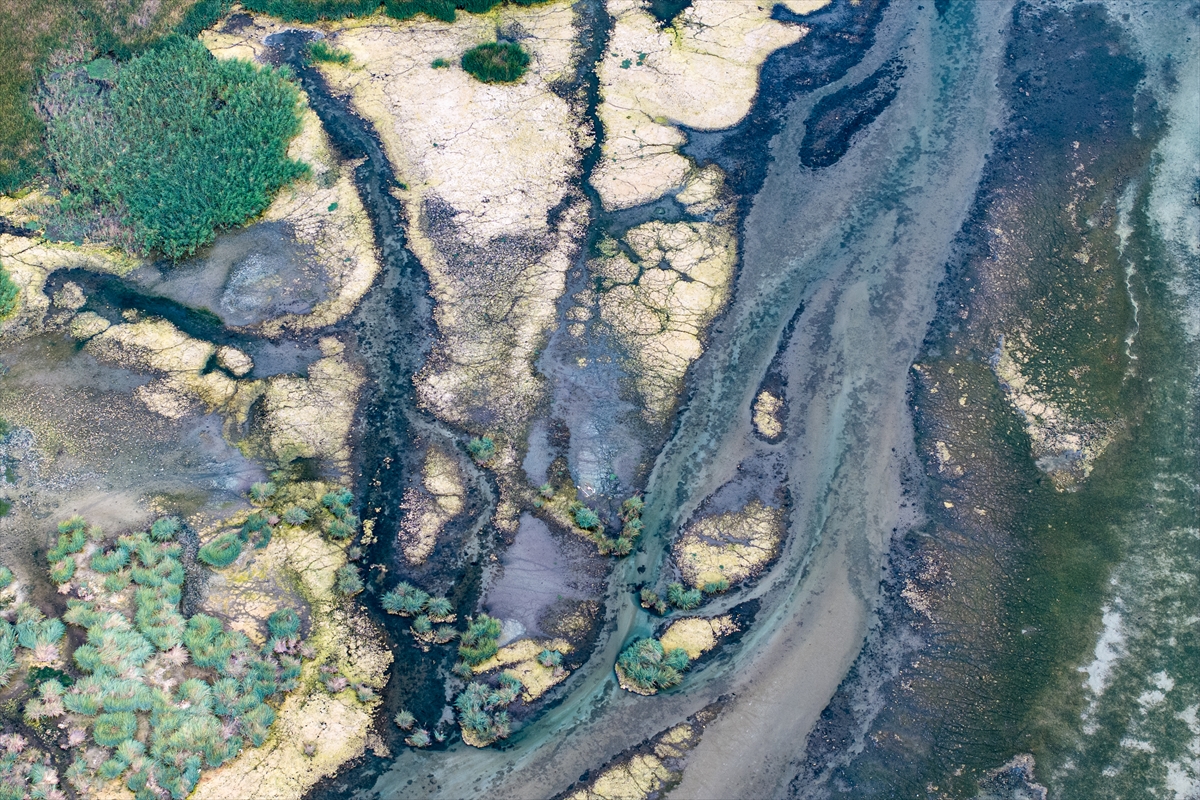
(182,145)
(480,641)
(284,624)
(445,9)
(496,62)
(164,529)
(8,294)
(221,551)
(347,581)
(585,517)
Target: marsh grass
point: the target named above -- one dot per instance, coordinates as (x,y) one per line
(37,35)
(182,145)
(496,62)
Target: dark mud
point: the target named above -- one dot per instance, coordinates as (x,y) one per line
(837,117)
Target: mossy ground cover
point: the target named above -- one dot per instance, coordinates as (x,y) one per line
(182,145)
(34,32)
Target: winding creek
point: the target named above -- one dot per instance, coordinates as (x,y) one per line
(854,278)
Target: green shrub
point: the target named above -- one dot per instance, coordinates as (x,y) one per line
(6,577)
(221,551)
(109,730)
(439,63)
(262,492)
(284,624)
(586,518)
(347,582)
(341,529)
(482,449)
(117,582)
(422,625)
(8,295)
(496,62)
(320,51)
(164,529)
(111,561)
(685,599)
(182,145)
(444,10)
(550,658)
(439,607)
(647,666)
(62,571)
(716,587)
(405,720)
(295,516)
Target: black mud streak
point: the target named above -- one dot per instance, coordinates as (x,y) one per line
(837,117)
(391,330)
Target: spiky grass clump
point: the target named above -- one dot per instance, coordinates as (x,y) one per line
(496,62)
(647,666)
(480,641)
(221,551)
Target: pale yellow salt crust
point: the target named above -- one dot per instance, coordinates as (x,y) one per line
(700,72)
(644,774)
(659,309)
(767,410)
(697,635)
(29,261)
(311,417)
(336,727)
(519,659)
(732,546)
(492,160)
(1063,447)
(426,513)
(157,346)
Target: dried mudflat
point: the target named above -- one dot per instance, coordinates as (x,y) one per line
(866,274)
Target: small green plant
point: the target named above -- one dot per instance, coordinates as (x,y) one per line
(320,51)
(262,493)
(347,582)
(418,738)
(8,301)
(110,730)
(479,641)
(684,599)
(405,600)
(164,529)
(585,517)
(295,516)
(550,658)
(284,624)
(439,607)
(651,601)
(405,720)
(482,449)
(716,587)
(496,62)
(439,63)
(221,551)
